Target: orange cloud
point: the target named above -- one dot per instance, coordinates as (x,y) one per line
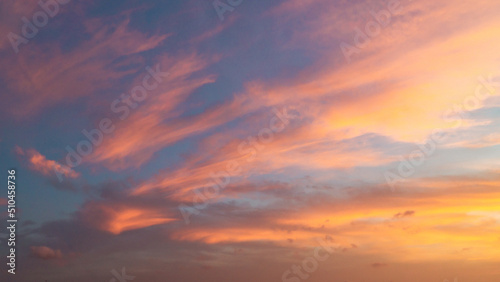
(408,73)
(45,253)
(447,220)
(41,164)
(117,218)
(155,123)
(415,91)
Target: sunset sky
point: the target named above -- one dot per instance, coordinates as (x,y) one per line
(238,140)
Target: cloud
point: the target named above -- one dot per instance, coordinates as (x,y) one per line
(157,122)
(41,164)
(46,253)
(318,178)
(378,265)
(341,104)
(404,214)
(368,94)
(61,75)
(445,213)
(117,211)
(119,218)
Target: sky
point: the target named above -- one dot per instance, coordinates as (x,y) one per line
(237,140)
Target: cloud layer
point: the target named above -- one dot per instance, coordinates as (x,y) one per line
(260,138)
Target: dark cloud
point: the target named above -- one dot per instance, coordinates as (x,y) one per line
(404,214)
(379,265)
(46,253)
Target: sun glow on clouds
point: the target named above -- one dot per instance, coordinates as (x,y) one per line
(450,221)
(406,89)
(318,178)
(119,218)
(134,219)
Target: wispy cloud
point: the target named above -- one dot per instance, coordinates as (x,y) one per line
(41,164)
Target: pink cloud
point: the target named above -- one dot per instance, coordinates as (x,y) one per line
(116,218)
(44,81)
(40,163)
(45,253)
